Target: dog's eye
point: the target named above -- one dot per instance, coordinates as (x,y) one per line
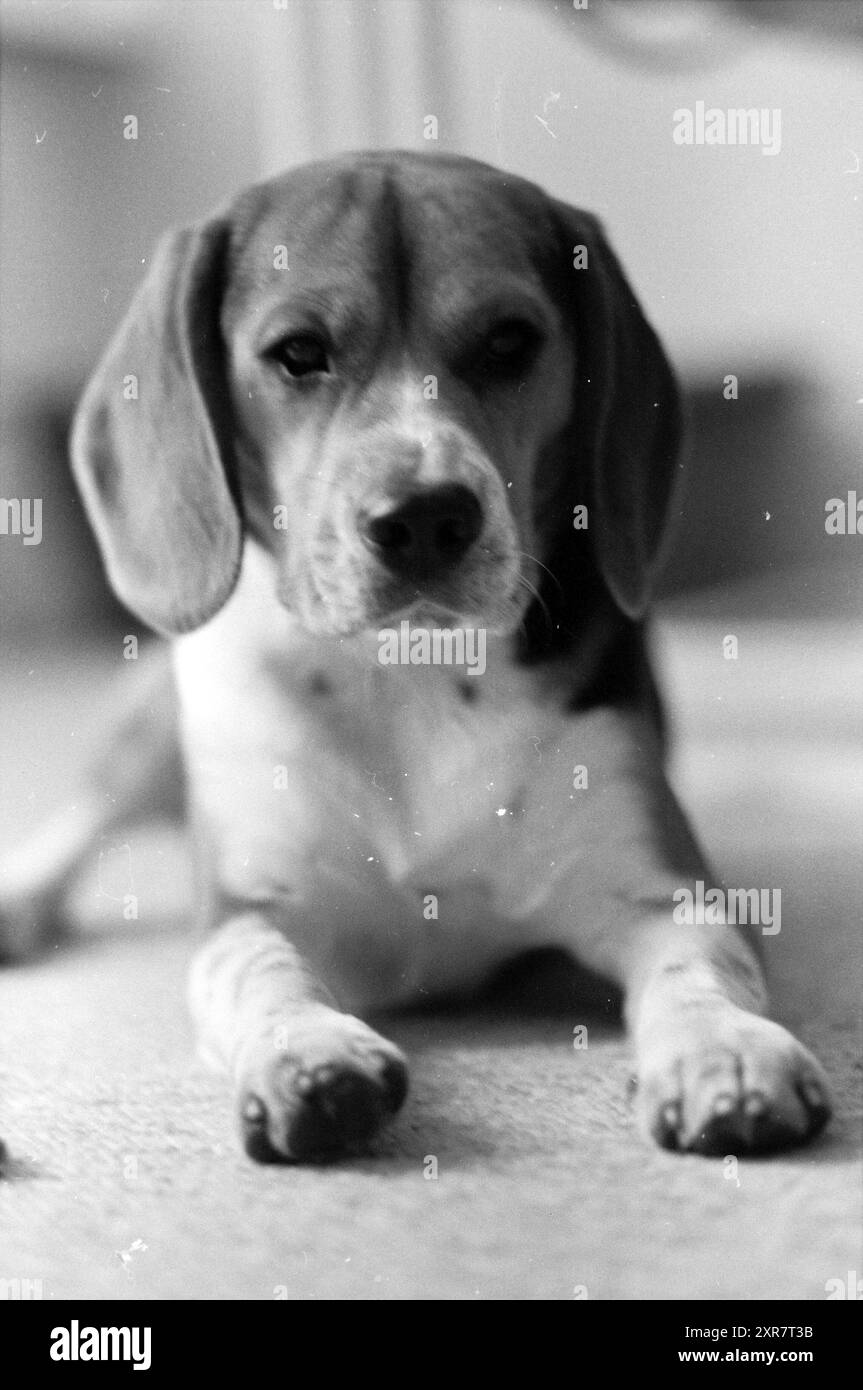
(301,355)
(509,343)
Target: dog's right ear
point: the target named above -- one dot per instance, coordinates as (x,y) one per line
(151,442)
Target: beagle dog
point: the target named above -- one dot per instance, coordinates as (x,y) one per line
(386,448)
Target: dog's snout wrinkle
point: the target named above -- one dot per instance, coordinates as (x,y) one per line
(426,532)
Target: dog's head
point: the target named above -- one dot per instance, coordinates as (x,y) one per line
(400,373)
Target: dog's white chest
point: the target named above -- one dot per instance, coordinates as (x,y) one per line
(317,769)
(448,761)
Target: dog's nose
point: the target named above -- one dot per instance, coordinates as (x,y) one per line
(427,532)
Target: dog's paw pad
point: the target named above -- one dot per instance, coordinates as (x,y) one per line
(307,1110)
(741,1085)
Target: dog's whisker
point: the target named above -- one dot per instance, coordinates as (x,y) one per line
(534,592)
(549,572)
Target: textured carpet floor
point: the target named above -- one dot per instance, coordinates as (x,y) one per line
(125,1178)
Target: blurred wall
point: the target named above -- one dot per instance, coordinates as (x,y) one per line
(743,258)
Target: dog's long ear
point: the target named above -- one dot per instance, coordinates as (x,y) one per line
(151,442)
(627,419)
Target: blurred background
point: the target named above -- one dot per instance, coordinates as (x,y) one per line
(750,265)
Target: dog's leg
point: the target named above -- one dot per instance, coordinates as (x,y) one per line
(311,1082)
(136,775)
(714,1075)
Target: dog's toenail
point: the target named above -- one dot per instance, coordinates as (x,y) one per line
(394,1075)
(723,1105)
(755,1104)
(667,1127)
(254,1110)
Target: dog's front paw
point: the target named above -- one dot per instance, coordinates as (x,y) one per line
(318,1087)
(732,1083)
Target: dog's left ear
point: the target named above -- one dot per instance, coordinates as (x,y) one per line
(627,416)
